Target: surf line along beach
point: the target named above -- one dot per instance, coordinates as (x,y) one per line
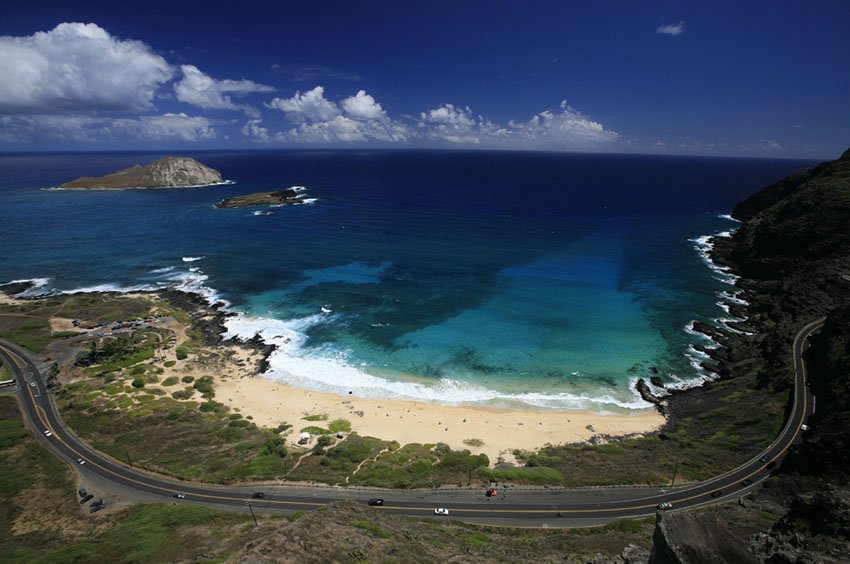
(500,431)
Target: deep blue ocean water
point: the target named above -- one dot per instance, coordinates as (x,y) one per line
(547,279)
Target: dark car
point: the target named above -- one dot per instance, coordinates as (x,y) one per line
(82,492)
(376,501)
(764,458)
(86,498)
(258,495)
(97,503)
(747,482)
(96,508)
(716,493)
(561,514)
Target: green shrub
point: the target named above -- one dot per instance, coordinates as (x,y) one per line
(338,425)
(170,363)
(138,383)
(183,394)
(187,379)
(170,381)
(181,353)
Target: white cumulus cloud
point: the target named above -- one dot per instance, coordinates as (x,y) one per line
(458,125)
(77,66)
(345,129)
(362,106)
(671,29)
(179,127)
(566,128)
(254,130)
(307,107)
(200,89)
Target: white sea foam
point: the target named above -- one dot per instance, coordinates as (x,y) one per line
(35,289)
(326,370)
(733,297)
(162,270)
(191,259)
(310,201)
(729,217)
(297,188)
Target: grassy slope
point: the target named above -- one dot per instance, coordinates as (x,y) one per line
(41,521)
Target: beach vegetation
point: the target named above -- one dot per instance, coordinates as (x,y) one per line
(138,383)
(187,379)
(170,381)
(339,425)
(313,430)
(321,417)
(183,394)
(181,353)
(473,442)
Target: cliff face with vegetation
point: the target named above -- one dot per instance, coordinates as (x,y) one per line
(793,251)
(167,172)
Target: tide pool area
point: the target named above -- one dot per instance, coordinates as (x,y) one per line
(511,279)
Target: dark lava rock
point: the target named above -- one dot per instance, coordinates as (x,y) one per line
(691,538)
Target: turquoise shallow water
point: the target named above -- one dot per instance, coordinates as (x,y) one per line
(506,278)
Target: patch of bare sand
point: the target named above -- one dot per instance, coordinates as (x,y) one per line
(407,421)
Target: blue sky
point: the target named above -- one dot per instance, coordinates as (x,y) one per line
(745,78)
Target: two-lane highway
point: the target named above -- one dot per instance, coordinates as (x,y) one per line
(532,507)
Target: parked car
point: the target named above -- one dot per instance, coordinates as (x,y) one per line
(86,498)
(96,508)
(82,492)
(375,501)
(441,511)
(665,506)
(96,503)
(258,495)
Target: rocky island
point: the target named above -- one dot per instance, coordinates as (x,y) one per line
(287,197)
(167,172)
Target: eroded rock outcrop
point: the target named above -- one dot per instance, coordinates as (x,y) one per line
(695,538)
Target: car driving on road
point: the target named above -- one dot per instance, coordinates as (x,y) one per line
(375,501)
(665,506)
(47,433)
(441,511)
(180,496)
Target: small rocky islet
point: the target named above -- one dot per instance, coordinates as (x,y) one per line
(167,172)
(288,197)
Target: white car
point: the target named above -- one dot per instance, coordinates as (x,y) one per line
(180,496)
(665,506)
(441,511)
(47,433)
(804,427)
(80,461)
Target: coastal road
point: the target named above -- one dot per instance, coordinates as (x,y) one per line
(514,506)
